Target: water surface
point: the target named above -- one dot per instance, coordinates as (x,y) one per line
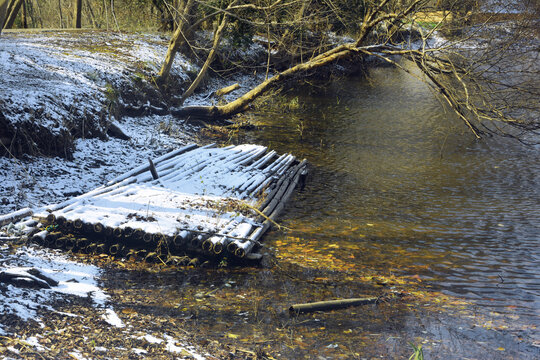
(398,186)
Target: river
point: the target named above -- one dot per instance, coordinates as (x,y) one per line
(401,202)
(398,186)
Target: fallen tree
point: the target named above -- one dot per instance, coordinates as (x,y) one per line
(474,84)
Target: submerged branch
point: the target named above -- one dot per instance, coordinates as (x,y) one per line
(331,305)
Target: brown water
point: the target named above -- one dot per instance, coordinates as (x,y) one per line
(398,187)
(400,200)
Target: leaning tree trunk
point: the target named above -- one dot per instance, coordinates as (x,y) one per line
(241,103)
(370,20)
(178,38)
(77,14)
(210,58)
(3,9)
(14,8)
(91,14)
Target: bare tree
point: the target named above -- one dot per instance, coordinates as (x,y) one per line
(187,8)
(3,12)
(13,10)
(492,84)
(77,13)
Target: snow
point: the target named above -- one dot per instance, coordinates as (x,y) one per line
(37,181)
(187,350)
(171,345)
(139,351)
(73,279)
(112,319)
(200,189)
(49,79)
(70,73)
(184,198)
(77,355)
(34,341)
(152,339)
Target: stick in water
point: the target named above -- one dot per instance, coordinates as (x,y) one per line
(331,305)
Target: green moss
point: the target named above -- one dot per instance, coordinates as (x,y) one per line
(111,94)
(428,24)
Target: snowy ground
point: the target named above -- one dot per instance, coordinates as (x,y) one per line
(66,75)
(74,300)
(36,181)
(63,77)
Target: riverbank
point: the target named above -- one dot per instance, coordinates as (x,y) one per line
(395,208)
(60,98)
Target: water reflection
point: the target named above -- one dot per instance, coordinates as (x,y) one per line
(414,188)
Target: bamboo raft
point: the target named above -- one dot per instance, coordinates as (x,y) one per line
(205,200)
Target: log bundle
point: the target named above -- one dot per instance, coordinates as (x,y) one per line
(204,200)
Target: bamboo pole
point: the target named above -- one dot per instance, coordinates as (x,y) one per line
(82,243)
(243,249)
(117,233)
(70,244)
(137,234)
(143,168)
(147,238)
(127,232)
(119,182)
(219,238)
(116,249)
(262,161)
(331,305)
(254,170)
(191,168)
(39,237)
(98,228)
(275,191)
(15,216)
(256,154)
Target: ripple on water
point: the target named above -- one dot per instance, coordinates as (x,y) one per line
(389,162)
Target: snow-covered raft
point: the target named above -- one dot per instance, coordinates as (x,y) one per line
(211,200)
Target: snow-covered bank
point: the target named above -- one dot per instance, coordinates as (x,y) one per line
(35,181)
(71,278)
(59,84)
(56,87)
(75,309)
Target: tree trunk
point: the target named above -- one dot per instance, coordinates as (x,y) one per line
(39,16)
(14,7)
(24,15)
(91,13)
(113,15)
(331,305)
(106,14)
(178,39)
(77,14)
(60,14)
(288,36)
(3,10)
(240,104)
(209,59)
(175,17)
